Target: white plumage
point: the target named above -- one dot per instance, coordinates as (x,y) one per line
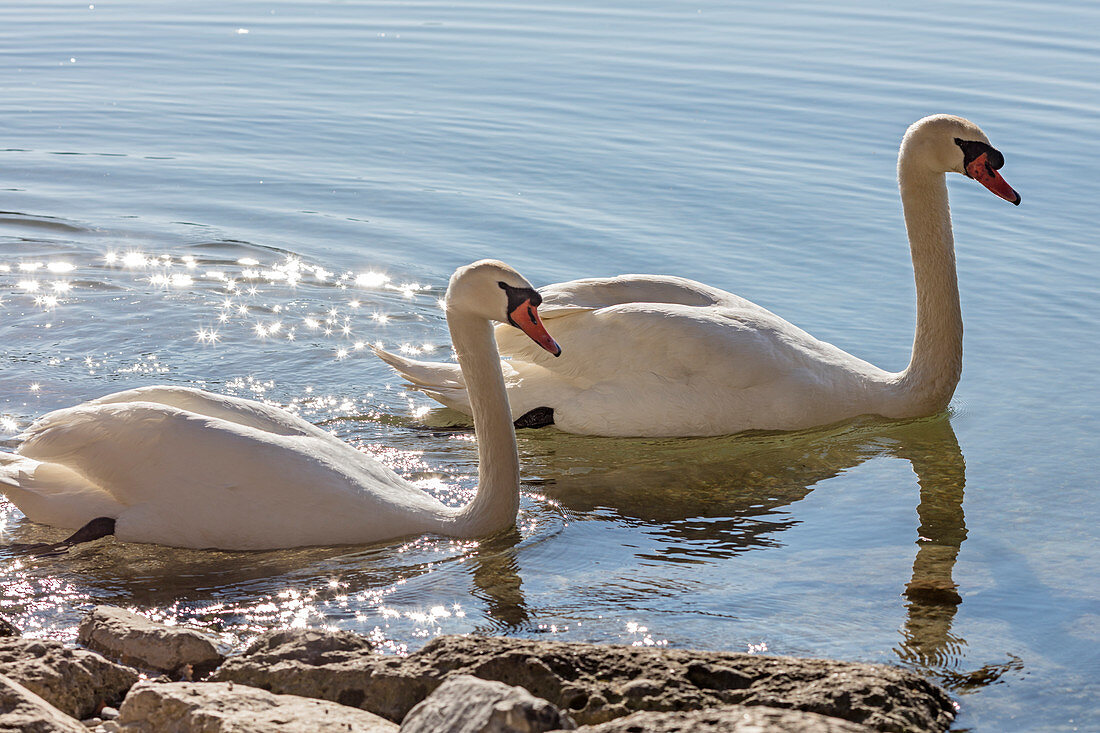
(183,467)
(650,355)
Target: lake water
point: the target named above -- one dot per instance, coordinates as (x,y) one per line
(240,196)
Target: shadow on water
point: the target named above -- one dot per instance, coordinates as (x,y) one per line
(715,498)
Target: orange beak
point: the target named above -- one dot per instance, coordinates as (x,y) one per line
(980,170)
(525,317)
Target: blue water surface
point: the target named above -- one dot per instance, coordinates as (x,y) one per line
(243,196)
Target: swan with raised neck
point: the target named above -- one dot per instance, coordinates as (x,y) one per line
(650,355)
(187,468)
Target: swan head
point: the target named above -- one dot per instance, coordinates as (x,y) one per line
(950,144)
(492,290)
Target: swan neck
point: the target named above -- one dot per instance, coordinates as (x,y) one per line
(496,503)
(929,381)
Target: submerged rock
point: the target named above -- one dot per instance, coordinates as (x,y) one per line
(7,628)
(137,641)
(732,719)
(209,707)
(594,683)
(22,711)
(76,681)
(466,704)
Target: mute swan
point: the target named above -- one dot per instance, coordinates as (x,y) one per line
(183,467)
(650,355)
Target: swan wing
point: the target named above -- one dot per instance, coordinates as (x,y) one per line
(669,369)
(672,340)
(602,292)
(193,480)
(566,309)
(226,407)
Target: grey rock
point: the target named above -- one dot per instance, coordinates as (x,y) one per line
(76,681)
(22,711)
(209,707)
(466,704)
(732,719)
(139,642)
(594,683)
(330,665)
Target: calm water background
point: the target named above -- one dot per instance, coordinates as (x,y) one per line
(241,196)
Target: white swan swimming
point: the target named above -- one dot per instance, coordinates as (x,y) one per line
(187,468)
(650,355)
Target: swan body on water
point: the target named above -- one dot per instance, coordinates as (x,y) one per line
(651,355)
(182,467)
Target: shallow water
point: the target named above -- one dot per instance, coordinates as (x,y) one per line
(242,197)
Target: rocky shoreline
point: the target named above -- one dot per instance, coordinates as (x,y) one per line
(133,675)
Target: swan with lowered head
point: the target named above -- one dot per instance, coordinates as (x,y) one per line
(187,468)
(650,355)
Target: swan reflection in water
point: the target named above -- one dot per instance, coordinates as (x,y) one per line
(715,498)
(705,500)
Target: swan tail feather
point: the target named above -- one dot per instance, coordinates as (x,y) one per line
(456,399)
(53,494)
(433,375)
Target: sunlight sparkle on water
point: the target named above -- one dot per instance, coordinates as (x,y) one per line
(635,629)
(175,280)
(207,336)
(371,279)
(61,267)
(133,259)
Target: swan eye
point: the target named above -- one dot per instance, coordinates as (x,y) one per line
(973,149)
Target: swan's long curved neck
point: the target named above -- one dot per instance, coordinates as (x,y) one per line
(495,505)
(927,384)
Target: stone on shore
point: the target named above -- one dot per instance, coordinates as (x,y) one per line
(22,711)
(330,665)
(212,707)
(732,719)
(466,704)
(596,683)
(139,642)
(76,681)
